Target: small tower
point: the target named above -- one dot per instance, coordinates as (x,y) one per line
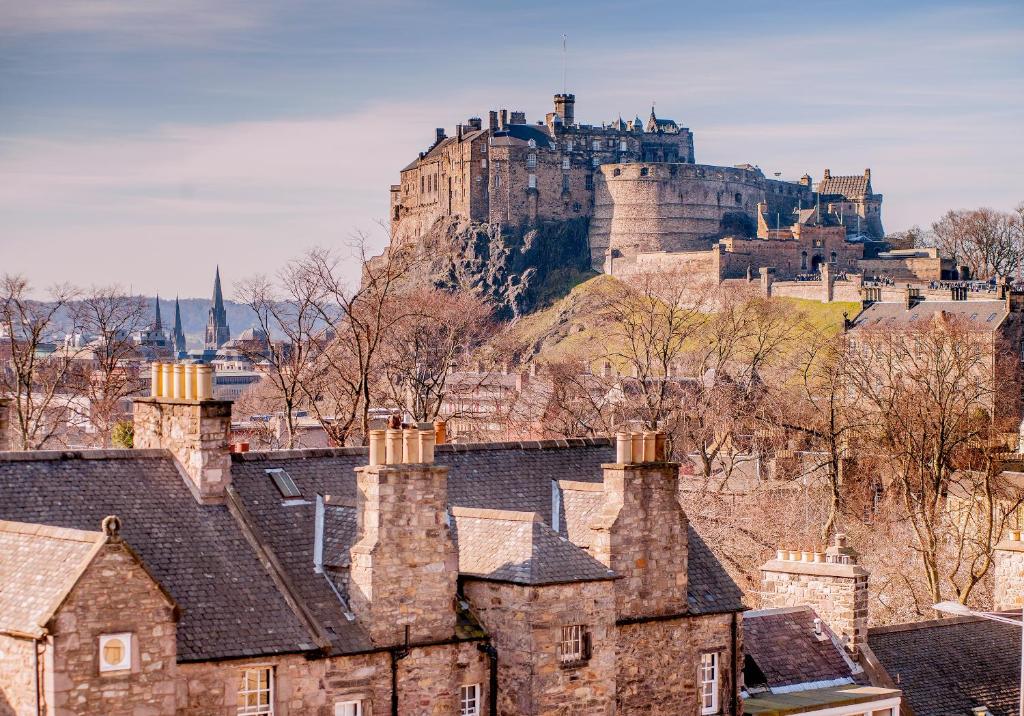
(565,108)
(178,335)
(217,331)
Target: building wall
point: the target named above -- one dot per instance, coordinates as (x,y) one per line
(1009,575)
(657,664)
(114,595)
(908,269)
(428,682)
(526,627)
(17,686)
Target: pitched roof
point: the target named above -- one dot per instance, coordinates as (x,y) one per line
(851,187)
(951,666)
(230,606)
(38,567)
(783,645)
(978,315)
(517,547)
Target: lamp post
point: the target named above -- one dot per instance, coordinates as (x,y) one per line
(958,609)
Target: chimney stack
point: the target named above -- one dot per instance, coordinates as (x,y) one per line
(182,417)
(405,566)
(517,118)
(911,296)
(492,120)
(831,582)
(641,531)
(438,135)
(502,119)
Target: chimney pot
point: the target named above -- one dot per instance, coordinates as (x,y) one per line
(660,445)
(410,445)
(204,375)
(156,384)
(426,446)
(440,432)
(191,382)
(179,382)
(167,380)
(649,447)
(378,448)
(781,554)
(637,441)
(393,451)
(623,448)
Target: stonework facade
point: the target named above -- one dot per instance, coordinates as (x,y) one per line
(1009,574)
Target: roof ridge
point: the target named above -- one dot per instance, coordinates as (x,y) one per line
(86,454)
(563,443)
(40,530)
(927,624)
(484,513)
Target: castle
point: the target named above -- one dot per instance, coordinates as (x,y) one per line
(646,199)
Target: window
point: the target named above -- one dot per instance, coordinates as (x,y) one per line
(590,181)
(483,163)
(616,171)
(532,181)
(565,163)
(644,171)
(565,182)
(708,679)
(469,700)
(115,652)
(568,145)
(575,645)
(556,506)
(596,145)
(531,160)
(595,161)
(623,146)
(256,692)
(284,483)
(739,198)
(348,708)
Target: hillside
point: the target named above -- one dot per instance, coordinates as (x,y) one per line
(570,328)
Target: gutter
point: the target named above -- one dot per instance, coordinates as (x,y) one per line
(737,667)
(35,676)
(492,686)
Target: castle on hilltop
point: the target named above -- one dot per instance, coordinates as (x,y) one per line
(640,189)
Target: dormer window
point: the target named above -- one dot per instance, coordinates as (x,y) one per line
(532,144)
(284,483)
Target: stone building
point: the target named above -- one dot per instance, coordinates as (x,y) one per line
(513,578)
(637,184)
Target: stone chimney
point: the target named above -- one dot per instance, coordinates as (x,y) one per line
(517,118)
(492,120)
(502,119)
(767,279)
(911,296)
(181,416)
(826,174)
(641,531)
(1009,573)
(958,293)
(405,566)
(867,174)
(565,108)
(806,180)
(439,135)
(831,582)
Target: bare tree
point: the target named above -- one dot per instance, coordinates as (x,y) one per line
(35,383)
(938,395)
(989,242)
(106,371)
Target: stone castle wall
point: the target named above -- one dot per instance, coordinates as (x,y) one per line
(668,207)
(526,623)
(657,662)
(114,595)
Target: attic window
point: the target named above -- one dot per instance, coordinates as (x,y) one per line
(990,318)
(284,483)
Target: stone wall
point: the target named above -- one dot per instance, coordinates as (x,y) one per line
(526,626)
(195,432)
(641,532)
(1009,575)
(657,664)
(428,682)
(404,564)
(17,687)
(114,595)
(924,268)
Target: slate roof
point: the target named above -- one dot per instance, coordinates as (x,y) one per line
(783,645)
(230,607)
(517,547)
(525,132)
(950,666)
(851,187)
(978,315)
(38,567)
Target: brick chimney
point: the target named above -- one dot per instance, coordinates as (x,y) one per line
(405,565)
(641,531)
(831,582)
(1009,573)
(181,416)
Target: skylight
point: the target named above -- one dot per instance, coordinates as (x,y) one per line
(284,482)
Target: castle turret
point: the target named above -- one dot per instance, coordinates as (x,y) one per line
(565,108)
(217,331)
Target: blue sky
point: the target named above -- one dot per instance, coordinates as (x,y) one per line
(143,142)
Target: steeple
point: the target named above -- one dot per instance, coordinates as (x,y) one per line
(217,331)
(157,324)
(178,335)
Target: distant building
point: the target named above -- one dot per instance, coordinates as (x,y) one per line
(217,330)
(178,334)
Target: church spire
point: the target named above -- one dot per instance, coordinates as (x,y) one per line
(157,324)
(178,335)
(217,331)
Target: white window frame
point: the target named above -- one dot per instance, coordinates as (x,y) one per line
(708,678)
(243,691)
(125,664)
(623,146)
(595,145)
(566,163)
(531,160)
(348,708)
(532,181)
(572,647)
(469,700)
(568,145)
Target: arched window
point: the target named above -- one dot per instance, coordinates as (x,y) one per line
(739,198)
(616,172)
(833,257)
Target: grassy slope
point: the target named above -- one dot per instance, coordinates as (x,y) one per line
(569,328)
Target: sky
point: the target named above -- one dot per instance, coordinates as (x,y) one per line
(142,143)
